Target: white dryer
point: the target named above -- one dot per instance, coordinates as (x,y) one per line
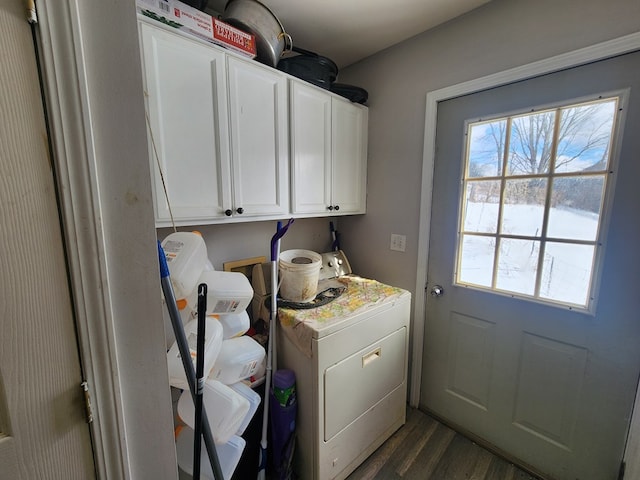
(350,360)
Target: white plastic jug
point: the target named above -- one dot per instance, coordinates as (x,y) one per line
(228,455)
(187,313)
(234,325)
(212,346)
(227,292)
(186,255)
(254,401)
(299,272)
(226,409)
(239,358)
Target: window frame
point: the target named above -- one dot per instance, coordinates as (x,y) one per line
(606,205)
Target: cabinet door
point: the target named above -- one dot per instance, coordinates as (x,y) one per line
(310,148)
(349,172)
(185,90)
(258,124)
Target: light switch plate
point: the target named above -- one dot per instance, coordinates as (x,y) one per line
(398,242)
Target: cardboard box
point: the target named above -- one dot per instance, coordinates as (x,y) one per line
(200,24)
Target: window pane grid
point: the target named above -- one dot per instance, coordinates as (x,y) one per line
(535,226)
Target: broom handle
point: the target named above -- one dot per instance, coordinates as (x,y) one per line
(197,434)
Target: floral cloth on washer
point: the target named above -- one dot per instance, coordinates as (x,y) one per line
(361,294)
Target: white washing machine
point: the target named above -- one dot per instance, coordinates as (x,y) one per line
(350,360)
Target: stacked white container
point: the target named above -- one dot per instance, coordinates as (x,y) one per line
(230,357)
(213,344)
(226,410)
(228,454)
(239,358)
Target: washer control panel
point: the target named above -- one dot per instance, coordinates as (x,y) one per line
(334,264)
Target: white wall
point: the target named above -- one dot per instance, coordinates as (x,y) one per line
(244,240)
(495,37)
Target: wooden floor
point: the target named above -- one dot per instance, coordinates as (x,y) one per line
(425,449)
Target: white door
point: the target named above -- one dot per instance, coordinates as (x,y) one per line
(186,101)
(349,123)
(43,433)
(310,148)
(531,343)
(259,132)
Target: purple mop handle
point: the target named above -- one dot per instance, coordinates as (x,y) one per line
(278,235)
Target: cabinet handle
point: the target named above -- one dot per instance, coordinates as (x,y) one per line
(228,212)
(371,356)
(330,207)
(240,210)
(337,207)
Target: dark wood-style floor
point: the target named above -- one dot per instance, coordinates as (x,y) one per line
(425,449)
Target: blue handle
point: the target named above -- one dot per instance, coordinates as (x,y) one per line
(164,268)
(278,235)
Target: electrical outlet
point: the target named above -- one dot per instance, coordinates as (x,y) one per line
(398,242)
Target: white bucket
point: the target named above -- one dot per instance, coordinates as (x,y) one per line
(299,272)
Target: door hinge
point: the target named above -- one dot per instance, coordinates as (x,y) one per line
(623,465)
(32,16)
(87,402)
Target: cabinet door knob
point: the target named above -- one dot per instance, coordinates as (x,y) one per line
(240,210)
(337,207)
(228,212)
(330,207)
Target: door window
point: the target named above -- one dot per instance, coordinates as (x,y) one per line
(532,203)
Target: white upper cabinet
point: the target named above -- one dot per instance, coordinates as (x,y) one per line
(219,125)
(225,134)
(259,138)
(349,123)
(310,149)
(186,102)
(328,152)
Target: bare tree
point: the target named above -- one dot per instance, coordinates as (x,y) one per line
(581,130)
(581,144)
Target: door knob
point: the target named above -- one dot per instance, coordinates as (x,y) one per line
(437,291)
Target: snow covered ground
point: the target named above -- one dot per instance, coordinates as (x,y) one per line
(566,267)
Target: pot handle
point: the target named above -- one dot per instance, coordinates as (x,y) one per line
(288,41)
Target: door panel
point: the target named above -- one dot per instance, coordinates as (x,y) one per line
(310,126)
(471,348)
(186,80)
(43,433)
(552,386)
(258,121)
(348,174)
